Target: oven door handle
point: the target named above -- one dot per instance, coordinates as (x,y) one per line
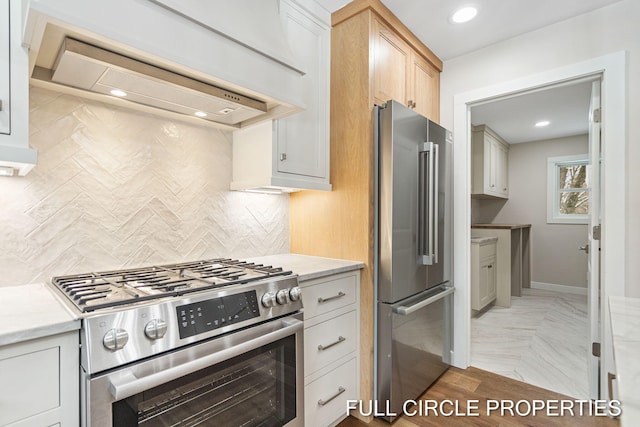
(128,384)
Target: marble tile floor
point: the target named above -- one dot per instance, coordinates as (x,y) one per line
(541,339)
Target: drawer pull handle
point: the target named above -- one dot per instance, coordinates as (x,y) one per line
(340,295)
(324,402)
(324,347)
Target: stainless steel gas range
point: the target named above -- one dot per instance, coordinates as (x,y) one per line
(214,342)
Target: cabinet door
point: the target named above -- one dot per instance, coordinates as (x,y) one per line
(303,139)
(491,280)
(424,89)
(391,59)
(4,68)
(487,282)
(491,164)
(502,173)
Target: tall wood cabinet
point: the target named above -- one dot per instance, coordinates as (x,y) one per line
(374,57)
(402,73)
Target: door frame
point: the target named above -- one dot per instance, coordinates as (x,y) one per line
(612,68)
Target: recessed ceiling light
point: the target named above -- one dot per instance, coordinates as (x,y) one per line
(118,92)
(200,114)
(7,171)
(542,123)
(464,14)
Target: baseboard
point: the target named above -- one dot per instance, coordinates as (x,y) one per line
(559,288)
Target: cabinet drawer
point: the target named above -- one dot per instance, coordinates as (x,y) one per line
(330,295)
(29,384)
(319,407)
(488,250)
(328,341)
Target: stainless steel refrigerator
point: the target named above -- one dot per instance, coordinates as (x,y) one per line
(412,255)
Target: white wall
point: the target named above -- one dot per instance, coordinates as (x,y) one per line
(555,258)
(115,188)
(604,31)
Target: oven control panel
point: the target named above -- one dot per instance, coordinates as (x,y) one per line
(207,315)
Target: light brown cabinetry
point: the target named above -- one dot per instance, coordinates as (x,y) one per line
(489,164)
(402,74)
(339,224)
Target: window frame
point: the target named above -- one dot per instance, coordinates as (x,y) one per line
(553,189)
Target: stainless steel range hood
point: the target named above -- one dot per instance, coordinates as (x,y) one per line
(84,66)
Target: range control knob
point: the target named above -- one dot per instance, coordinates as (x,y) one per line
(268,300)
(155,329)
(295,293)
(282,296)
(115,339)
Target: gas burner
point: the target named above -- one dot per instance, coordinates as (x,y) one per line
(93,291)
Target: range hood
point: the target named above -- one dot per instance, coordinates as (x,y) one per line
(229,60)
(84,66)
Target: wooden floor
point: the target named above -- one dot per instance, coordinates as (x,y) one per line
(475,384)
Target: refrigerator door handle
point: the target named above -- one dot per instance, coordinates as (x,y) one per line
(404,311)
(425,228)
(436,197)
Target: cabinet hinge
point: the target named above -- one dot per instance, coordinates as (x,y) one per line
(283,157)
(595,349)
(0,104)
(596,234)
(597,113)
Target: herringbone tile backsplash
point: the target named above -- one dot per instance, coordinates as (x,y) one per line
(116,188)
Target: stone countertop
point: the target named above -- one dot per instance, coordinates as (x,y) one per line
(308,267)
(501,226)
(484,239)
(32,311)
(625,326)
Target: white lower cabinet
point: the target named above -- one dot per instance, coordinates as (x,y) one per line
(331,347)
(483,273)
(39,382)
(325,398)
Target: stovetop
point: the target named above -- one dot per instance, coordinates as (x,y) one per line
(94,291)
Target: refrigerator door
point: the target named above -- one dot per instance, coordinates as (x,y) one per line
(412,192)
(414,343)
(438,271)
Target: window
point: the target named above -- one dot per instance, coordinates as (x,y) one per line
(568,189)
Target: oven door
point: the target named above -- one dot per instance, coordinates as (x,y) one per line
(253,377)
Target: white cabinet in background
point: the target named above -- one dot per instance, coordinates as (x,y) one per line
(483,273)
(489,164)
(332,342)
(293,153)
(14,92)
(39,382)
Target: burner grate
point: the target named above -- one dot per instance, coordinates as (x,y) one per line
(94,291)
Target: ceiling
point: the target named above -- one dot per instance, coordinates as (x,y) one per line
(565,106)
(497,20)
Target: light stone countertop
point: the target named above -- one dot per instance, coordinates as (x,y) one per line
(308,267)
(483,239)
(32,311)
(625,326)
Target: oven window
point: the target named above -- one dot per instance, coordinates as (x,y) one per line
(257,388)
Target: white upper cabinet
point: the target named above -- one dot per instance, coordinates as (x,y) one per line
(489,164)
(293,153)
(15,154)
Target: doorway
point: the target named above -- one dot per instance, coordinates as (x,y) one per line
(540,334)
(612,68)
